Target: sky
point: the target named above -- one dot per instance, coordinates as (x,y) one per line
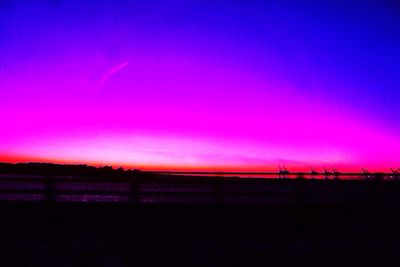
(201,85)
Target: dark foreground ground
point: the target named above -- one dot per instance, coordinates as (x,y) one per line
(152,220)
(100,234)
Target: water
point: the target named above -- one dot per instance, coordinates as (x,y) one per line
(319,176)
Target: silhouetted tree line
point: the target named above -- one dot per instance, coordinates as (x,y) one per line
(66,170)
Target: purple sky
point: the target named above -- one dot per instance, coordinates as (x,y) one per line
(201,84)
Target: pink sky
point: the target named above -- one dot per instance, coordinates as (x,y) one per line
(235,86)
(252,126)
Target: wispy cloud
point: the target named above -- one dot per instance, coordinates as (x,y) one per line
(112,71)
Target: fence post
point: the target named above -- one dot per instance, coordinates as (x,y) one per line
(299,193)
(218,192)
(50,189)
(134,189)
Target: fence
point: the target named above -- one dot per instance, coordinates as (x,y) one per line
(184,189)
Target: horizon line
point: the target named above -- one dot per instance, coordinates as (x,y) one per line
(226,171)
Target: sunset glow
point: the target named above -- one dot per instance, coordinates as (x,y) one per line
(201,86)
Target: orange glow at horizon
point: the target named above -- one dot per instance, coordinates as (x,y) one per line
(12,158)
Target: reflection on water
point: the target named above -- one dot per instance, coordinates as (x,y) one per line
(319,176)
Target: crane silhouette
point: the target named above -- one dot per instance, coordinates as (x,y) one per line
(336,174)
(395,173)
(286,172)
(366,173)
(280,172)
(313,173)
(283,172)
(327,173)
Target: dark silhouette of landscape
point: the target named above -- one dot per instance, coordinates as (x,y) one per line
(78,215)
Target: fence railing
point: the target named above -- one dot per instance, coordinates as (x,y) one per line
(179,189)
